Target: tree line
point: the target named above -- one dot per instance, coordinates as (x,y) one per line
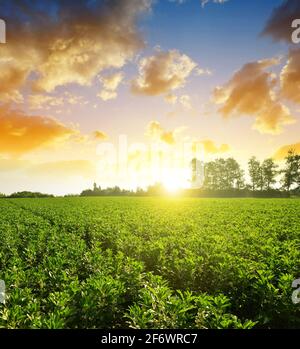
(222,177)
(265,176)
(26,194)
(225,177)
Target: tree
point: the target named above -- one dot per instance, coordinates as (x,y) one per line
(29,194)
(210,178)
(224,175)
(255,173)
(291,172)
(155,189)
(234,175)
(269,173)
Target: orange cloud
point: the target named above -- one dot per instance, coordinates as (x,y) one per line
(157,132)
(82,41)
(162,73)
(20,133)
(168,137)
(40,101)
(43,101)
(106,95)
(290,77)
(282,152)
(251,92)
(12,76)
(112,82)
(110,85)
(154,129)
(170,98)
(211,148)
(100,135)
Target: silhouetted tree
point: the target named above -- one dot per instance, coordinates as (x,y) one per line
(29,194)
(234,175)
(291,172)
(223,174)
(255,173)
(269,173)
(156,189)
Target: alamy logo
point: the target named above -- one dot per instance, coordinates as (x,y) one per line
(2,32)
(2,292)
(296,293)
(296,32)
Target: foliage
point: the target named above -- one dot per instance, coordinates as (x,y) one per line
(29,194)
(291,172)
(225,178)
(149,263)
(223,174)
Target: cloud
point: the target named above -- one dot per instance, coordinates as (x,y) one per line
(106,95)
(40,101)
(282,152)
(154,129)
(12,97)
(57,43)
(204,2)
(290,77)
(100,135)
(185,101)
(138,159)
(201,71)
(156,132)
(210,147)
(20,133)
(110,85)
(168,137)
(112,82)
(12,76)
(162,73)
(179,2)
(251,91)
(74,99)
(43,101)
(279,25)
(170,98)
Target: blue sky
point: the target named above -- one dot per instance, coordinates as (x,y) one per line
(70,59)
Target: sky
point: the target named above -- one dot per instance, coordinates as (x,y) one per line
(128,92)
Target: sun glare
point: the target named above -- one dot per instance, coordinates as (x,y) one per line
(172,185)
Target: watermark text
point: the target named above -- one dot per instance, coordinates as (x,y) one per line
(2,292)
(2,31)
(296,293)
(296,32)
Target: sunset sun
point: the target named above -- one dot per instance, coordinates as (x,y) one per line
(173,185)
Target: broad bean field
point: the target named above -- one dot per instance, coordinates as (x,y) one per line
(149,263)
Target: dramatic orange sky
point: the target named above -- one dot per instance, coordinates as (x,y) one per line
(127,92)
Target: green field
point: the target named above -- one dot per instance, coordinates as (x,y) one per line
(149,263)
